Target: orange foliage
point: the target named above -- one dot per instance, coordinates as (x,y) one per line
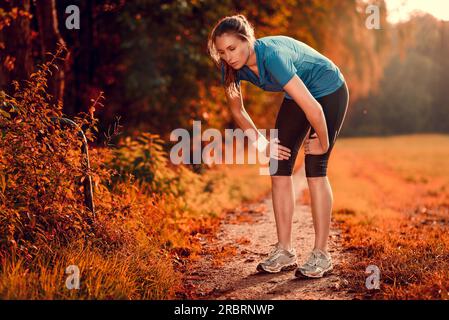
(150,218)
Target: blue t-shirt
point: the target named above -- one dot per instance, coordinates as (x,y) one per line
(279,58)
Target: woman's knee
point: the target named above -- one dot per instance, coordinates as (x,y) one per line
(316,165)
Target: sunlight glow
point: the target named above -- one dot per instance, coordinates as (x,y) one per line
(400,10)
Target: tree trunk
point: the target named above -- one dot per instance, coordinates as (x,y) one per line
(16,60)
(50,37)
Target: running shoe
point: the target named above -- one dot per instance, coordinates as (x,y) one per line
(278,260)
(318,264)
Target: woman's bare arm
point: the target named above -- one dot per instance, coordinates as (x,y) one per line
(244,121)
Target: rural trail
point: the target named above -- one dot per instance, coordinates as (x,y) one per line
(248,236)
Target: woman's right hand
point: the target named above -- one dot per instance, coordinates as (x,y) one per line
(277,151)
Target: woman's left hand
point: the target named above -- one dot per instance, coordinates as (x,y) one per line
(313,146)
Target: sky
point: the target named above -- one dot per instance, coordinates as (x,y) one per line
(399,10)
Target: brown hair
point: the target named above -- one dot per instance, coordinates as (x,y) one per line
(239,26)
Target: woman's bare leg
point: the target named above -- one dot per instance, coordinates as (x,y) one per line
(321,198)
(283,207)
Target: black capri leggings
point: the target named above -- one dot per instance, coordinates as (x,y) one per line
(293,126)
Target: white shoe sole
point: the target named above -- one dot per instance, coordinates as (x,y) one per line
(300,274)
(289,267)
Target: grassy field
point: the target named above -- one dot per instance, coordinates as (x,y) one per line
(391,199)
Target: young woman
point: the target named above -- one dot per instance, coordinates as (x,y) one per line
(315,101)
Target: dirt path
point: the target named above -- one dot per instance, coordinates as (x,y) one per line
(248,236)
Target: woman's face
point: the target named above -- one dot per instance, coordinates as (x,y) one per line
(232,50)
